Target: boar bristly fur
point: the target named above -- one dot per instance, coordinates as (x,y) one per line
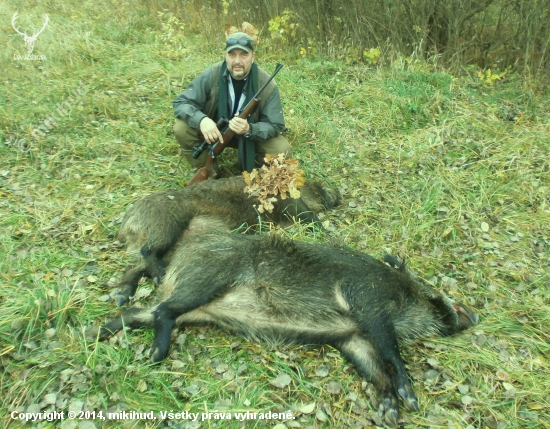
(277,290)
(155,223)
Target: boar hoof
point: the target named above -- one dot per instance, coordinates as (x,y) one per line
(98,332)
(411,404)
(121,299)
(156,272)
(157,354)
(91,334)
(407,394)
(388,410)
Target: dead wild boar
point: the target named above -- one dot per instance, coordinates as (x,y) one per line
(155,223)
(277,290)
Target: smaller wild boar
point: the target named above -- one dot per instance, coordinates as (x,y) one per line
(154,224)
(274,289)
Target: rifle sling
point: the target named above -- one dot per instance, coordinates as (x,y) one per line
(246,154)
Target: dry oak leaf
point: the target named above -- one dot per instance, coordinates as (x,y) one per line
(278,176)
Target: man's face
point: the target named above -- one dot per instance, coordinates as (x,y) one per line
(239,63)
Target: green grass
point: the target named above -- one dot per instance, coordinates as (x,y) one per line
(443,170)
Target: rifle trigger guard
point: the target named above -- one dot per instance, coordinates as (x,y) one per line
(212,149)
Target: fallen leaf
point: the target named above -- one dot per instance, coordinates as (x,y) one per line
(463,388)
(322,371)
(221,368)
(142,292)
(49,276)
(282,380)
(535,406)
(466,400)
(177,365)
(321,416)
(333,387)
(434,363)
(76,406)
(308,409)
(50,399)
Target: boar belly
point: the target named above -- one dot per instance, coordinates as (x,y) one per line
(241,311)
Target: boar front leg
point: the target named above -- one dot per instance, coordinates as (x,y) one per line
(311,218)
(383,334)
(369,362)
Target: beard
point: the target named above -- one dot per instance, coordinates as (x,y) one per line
(239,74)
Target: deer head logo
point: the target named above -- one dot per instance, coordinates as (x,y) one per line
(29,40)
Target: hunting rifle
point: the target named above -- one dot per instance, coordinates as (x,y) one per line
(216,148)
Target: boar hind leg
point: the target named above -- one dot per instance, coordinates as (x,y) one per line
(129,283)
(370,364)
(163,324)
(133,318)
(185,299)
(154,262)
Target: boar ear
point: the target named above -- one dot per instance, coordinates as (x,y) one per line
(394,262)
(466,317)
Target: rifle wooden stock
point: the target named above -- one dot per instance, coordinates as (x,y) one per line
(209,170)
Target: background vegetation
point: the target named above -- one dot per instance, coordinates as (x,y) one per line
(456,34)
(441,157)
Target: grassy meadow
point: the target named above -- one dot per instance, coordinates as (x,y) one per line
(450,172)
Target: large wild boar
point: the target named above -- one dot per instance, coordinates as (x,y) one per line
(155,223)
(270,288)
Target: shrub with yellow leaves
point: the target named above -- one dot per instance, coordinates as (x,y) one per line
(284,27)
(372,55)
(277,177)
(489,77)
(171,38)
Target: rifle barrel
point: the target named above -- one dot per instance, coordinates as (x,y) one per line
(277,68)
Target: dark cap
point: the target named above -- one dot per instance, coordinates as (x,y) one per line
(239,40)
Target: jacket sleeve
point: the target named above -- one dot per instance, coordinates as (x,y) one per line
(190,104)
(271,120)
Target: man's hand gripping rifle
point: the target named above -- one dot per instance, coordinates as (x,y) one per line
(215,149)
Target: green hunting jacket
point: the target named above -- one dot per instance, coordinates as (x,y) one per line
(200,99)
